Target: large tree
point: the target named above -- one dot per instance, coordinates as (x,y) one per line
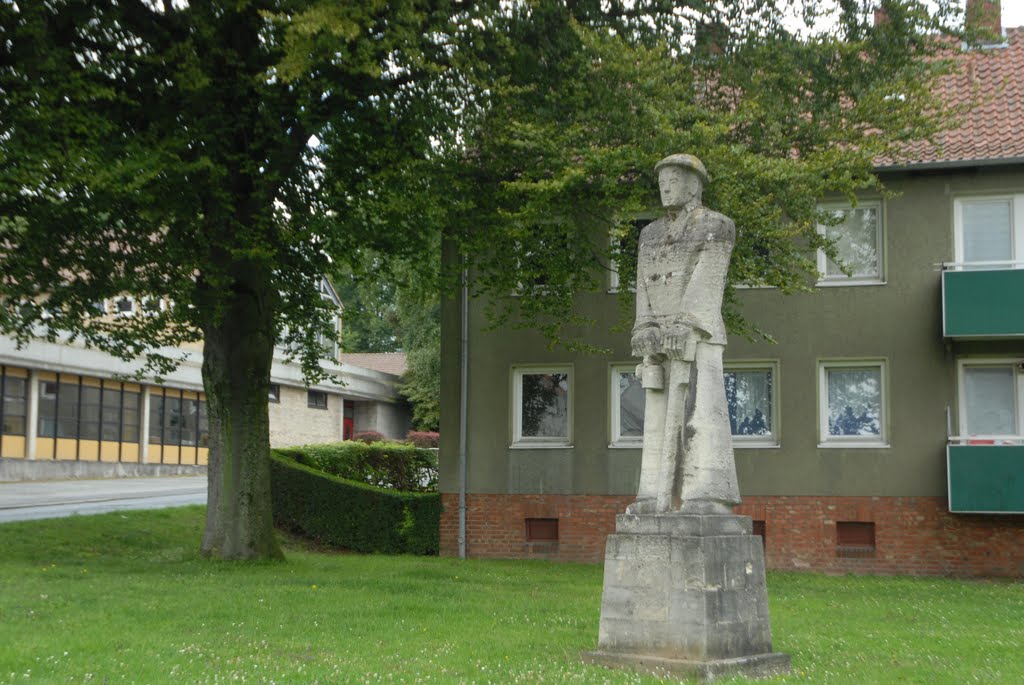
(223,155)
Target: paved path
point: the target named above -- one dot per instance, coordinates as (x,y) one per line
(53,499)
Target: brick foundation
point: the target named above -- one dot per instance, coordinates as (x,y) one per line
(913,535)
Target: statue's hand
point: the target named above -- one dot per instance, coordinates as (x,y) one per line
(680,343)
(646,342)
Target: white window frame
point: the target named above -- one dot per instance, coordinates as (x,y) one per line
(759,441)
(519,441)
(619,441)
(843,279)
(613,266)
(855,441)
(1016,201)
(962,365)
(128,312)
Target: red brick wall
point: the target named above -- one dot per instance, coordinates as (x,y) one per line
(913,535)
(496,525)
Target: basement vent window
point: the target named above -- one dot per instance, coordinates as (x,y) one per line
(759,529)
(855,538)
(542,530)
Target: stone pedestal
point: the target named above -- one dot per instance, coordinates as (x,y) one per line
(686,594)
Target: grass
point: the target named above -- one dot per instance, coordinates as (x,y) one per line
(124,598)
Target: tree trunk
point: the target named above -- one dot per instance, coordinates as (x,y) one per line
(237,355)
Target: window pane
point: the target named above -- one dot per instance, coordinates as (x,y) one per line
(47,409)
(748,395)
(14,406)
(204,425)
(856,241)
(130,417)
(987,232)
(67,411)
(111,414)
(156,418)
(545,405)
(855,401)
(172,420)
(189,421)
(631,406)
(89,423)
(989,395)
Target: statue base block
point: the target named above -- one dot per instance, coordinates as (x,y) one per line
(686,593)
(757,666)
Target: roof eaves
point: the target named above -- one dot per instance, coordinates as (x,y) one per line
(951,164)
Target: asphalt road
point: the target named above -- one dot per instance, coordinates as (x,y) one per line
(52,499)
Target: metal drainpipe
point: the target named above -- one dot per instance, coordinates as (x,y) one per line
(463,409)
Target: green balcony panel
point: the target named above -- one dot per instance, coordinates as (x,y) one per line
(986,478)
(983,303)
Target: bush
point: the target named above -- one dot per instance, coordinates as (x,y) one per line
(391,465)
(341,513)
(429,439)
(368,437)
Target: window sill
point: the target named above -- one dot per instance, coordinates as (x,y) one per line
(755,445)
(847,282)
(540,446)
(635,445)
(853,445)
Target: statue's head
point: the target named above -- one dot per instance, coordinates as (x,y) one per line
(681,180)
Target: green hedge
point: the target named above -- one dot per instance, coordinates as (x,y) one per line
(391,465)
(351,515)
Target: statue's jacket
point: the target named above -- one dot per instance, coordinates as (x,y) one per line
(681,273)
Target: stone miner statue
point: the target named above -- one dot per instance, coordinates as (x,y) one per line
(687,463)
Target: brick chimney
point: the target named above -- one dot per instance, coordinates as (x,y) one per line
(984,16)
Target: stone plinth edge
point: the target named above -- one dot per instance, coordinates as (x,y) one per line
(690,525)
(753,666)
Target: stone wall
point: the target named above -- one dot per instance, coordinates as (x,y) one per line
(912,535)
(293,422)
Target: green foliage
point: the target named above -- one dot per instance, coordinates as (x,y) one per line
(390,465)
(580,109)
(351,515)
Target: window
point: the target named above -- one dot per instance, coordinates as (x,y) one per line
(316,399)
(274,393)
(858,241)
(990,400)
(627,403)
(13,404)
(624,252)
(750,398)
(542,530)
(124,306)
(989,231)
(851,396)
(88,409)
(855,538)
(176,418)
(541,407)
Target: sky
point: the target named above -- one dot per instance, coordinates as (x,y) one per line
(1013,13)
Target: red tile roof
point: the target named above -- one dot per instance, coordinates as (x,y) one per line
(993,130)
(386,362)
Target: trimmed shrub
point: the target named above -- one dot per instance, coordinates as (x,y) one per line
(428,439)
(350,515)
(368,437)
(391,465)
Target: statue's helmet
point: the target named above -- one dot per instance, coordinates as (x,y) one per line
(687,162)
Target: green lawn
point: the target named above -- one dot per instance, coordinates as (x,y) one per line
(123,598)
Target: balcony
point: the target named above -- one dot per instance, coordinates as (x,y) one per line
(986,475)
(982,300)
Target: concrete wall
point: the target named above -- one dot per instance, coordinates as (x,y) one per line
(392,419)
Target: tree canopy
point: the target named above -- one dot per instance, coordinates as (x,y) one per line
(224,155)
